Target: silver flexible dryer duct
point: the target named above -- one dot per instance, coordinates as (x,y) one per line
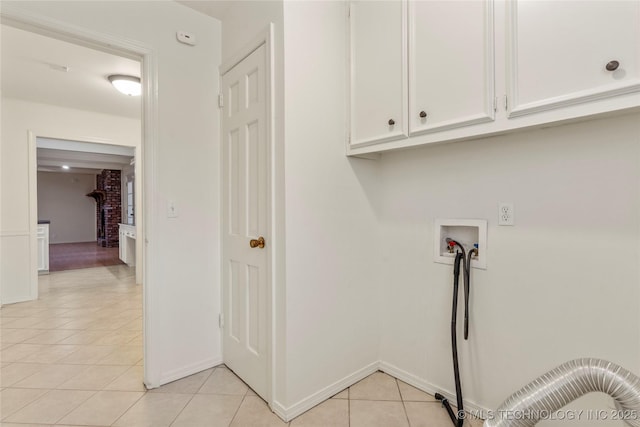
(566,383)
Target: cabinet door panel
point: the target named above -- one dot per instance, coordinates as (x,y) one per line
(378,71)
(451,64)
(557,52)
(41,254)
(122,247)
(43,247)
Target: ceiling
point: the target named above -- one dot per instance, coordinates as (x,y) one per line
(215,9)
(50,160)
(42,69)
(38,68)
(81,157)
(33,69)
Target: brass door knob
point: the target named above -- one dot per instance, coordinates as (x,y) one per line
(257,243)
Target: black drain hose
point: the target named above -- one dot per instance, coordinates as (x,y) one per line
(461,258)
(467,279)
(457,420)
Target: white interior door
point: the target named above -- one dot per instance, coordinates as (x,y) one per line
(245,220)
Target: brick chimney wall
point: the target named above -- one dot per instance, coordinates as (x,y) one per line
(110,210)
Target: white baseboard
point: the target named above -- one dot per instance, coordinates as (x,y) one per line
(428,387)
(191,369)
(279,410)
(10,301)
(287,414)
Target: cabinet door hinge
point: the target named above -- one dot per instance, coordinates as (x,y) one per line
(349,11)
(221,321)
(506,103)
(495,104)
(220,100)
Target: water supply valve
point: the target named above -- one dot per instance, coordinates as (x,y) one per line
(459,235)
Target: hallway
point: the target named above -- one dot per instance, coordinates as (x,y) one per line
(74,357)
(79,343)
(73,256)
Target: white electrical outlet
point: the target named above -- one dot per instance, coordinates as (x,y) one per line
(505,213)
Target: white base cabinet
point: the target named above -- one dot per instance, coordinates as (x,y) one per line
(127,244)
(43,248)
(485,67)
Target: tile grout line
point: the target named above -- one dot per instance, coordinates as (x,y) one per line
(206,379)
(349,405)
(190,399)
(404,407)
(25,405)
(235,414)
(76,407)
(130,406)
(181,410)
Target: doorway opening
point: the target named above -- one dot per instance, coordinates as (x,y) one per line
(77,130)
(86,205)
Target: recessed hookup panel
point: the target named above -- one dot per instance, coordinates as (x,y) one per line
(469,232)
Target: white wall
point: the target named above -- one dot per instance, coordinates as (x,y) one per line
(62,199)
(182,276)
(18,278)
(243,20)
(326,302)
(562,283)
(331,229)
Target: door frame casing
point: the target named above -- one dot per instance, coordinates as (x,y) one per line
(266,38)
(125,47)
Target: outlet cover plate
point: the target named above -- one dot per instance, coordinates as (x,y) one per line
(505,213)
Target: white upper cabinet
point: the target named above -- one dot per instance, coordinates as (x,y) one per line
(483,67)
(450,64)
(378,71)
(563,53)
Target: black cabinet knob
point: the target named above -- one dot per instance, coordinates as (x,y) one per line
(423,114)
(392,122)
(612,65)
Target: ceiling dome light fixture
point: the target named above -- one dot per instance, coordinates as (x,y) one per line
(129,85)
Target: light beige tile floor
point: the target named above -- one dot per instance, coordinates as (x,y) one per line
(74,358)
